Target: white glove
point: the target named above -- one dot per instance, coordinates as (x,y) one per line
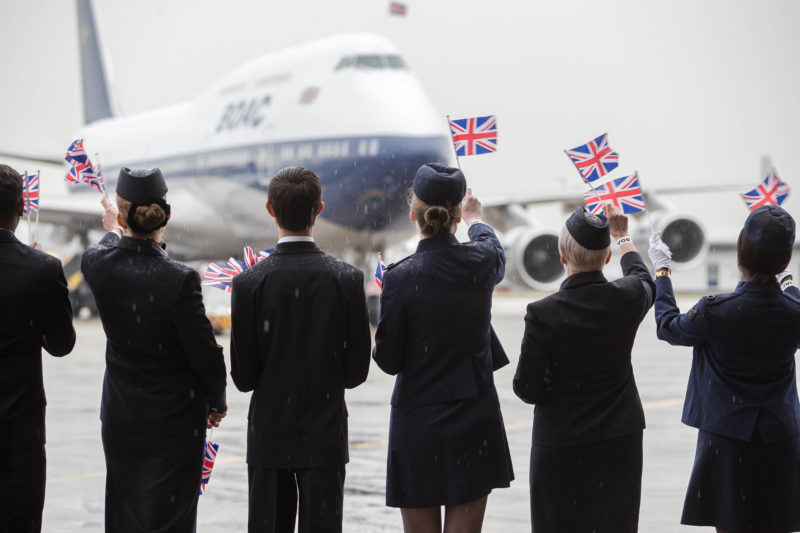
(785,274)
(659,253)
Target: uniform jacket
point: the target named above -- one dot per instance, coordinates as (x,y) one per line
(163,366)
(434,329)
(300,337)
(575,363)
(35,313)
(743,364)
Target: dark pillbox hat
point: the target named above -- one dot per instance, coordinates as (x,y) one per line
(591,231)
(140,186)
(437,184)
(770,229)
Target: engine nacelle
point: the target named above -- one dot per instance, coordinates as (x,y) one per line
(685,236)
(532,257)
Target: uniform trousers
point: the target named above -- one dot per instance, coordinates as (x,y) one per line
(278,496)
(22,482)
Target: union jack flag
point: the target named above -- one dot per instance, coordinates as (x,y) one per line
(594,159)
(771,191)
(221,276)
(624,193)
(209,456)
(379,270)
(474,136)
(82,170)
(30,192)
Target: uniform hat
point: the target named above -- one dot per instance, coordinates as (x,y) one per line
(437,184)
(770,229)
(141,186)
(590,231)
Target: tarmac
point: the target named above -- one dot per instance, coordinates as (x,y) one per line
(76,468)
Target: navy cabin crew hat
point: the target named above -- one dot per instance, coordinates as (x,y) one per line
(437,184)
(770,229)
(141,186)
(590,231)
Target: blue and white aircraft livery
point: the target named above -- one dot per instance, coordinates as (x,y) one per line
(349,109)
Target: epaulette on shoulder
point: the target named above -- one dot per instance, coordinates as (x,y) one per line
(715,299)
(791,297)
(398,262)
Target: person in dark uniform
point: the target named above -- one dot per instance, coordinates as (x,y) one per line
(447,442)
(165,374)
(575,365)
(300,337)
(35,314)
(742,391)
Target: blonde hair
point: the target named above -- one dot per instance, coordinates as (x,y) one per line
(580,258)
(146,216)
(433,219)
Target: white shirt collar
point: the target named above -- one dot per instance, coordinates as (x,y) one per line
(295,239)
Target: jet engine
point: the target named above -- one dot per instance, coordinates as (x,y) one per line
(532,257)
(685,236)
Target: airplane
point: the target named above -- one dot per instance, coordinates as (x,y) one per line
(349,108)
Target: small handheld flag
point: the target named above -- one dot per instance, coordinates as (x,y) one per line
(221,276)
(30,192)
(209,456)
(624,193)
(398,9)
(594,159)
(82,170)
(379,270)
(771,191)
(474,136)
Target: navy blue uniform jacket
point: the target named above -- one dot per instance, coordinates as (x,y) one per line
(743,365)
(35,312)
(435,322)
(300,338)
(575,363)
(164,368)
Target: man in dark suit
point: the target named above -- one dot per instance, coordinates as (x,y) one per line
(300,337)
(35,314)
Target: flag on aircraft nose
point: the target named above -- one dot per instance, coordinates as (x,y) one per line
(30,192)
(474,136)
(771,191)
(82,170)
(624,193)
(209,456)
(379,270)
(221,276)
(594,159)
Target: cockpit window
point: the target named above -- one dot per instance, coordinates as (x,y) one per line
(371,62)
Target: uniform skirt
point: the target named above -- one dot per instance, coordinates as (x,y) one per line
(447,454)
(744,486)
(152,483)
(592,487)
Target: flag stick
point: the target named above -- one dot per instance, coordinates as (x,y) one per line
(100,173)
(647,209)
(455,151)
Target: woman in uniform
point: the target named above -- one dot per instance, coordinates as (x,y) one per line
(742,391)
(447,442)
(575,365)
(165,374)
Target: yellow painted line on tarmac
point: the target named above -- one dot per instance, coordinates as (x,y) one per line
(366,444)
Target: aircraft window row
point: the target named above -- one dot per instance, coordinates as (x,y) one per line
(371,61)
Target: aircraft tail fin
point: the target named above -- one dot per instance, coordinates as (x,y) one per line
(97,101)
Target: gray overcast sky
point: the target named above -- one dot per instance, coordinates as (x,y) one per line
(689,90)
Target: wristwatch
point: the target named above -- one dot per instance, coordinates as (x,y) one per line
(663,272)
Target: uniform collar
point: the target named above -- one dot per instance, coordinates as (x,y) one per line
(297,247)
(141,246)
(6,236)
(752,286)
(583,278)
(437,241)
(296,238)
